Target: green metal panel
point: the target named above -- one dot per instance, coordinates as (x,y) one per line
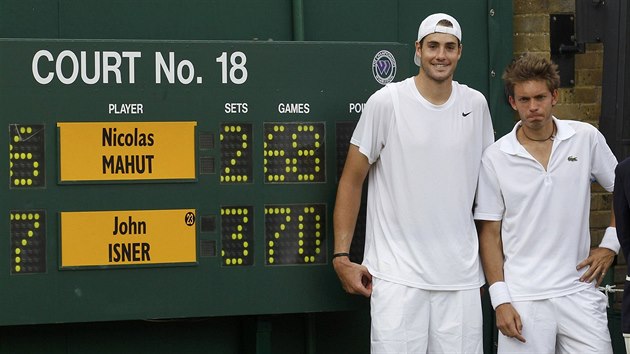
(173,19)
(330,76)
(321,333)
(339,75)
(29,19)
(500,39)
(486,27)
(353,20)
(486,24)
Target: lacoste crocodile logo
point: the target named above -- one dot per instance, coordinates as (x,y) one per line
(572,158)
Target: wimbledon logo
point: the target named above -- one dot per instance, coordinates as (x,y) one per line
(384,67)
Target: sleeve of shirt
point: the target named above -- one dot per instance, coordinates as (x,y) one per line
(489,201)
(603,162)
(371,131)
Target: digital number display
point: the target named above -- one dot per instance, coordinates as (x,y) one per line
(28,241)
(295,234)
(26,156)
(236,153)
(237,235)
(294,152)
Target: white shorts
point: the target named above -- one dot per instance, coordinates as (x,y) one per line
(576,323)
(410,320)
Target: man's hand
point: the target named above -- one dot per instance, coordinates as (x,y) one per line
(598,262)
(509,322)
(355,278)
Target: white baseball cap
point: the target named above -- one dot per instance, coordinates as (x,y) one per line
(430,25)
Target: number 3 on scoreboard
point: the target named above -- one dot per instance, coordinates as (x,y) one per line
(238,71)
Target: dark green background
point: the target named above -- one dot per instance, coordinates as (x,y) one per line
(288,309)
(338,74)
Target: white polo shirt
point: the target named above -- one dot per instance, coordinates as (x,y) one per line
(425,162)
(544,214)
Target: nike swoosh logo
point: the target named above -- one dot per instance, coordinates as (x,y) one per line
(466,114)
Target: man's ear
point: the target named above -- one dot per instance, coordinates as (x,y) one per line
(554,97)
(512,102)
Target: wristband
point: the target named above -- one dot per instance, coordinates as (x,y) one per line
(340,254)
(610,240)
(499,294)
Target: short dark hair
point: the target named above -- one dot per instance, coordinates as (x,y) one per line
(530,67)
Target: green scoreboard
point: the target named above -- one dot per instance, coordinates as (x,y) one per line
(170,179)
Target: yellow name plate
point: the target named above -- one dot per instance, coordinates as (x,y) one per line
(119,151)
(114,238)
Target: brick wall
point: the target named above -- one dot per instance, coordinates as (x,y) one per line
(581,102)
